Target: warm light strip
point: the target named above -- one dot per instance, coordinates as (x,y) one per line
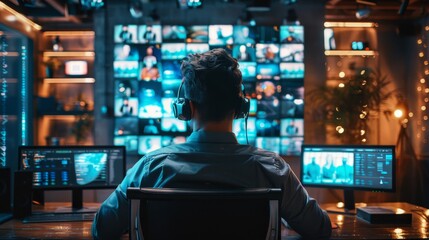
(9,54)
(349,53)
(68,54)
(70,117)
(20,16)
(69,33)
(351,24)
(69,80)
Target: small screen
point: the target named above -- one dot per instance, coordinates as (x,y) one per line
(292,34)
(220,34)
(76,68)
(197,34)
(354,167)
(74,167)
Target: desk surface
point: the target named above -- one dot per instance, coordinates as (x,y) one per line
(349,227)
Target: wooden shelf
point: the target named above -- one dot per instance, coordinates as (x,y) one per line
(65,113)
(68,80)
(361,53)
(69,54)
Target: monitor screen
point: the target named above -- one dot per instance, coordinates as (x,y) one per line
(147,62)
(69,167)
(357,167)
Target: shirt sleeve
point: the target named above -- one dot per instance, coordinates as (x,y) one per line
(112,219)
(301,211)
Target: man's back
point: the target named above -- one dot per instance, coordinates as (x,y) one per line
(216,160)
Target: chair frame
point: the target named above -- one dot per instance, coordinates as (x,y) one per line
(273,195)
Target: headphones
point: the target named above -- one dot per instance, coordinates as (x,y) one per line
(182,108)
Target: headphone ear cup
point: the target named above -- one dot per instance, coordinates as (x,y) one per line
(242,109)
(182,109)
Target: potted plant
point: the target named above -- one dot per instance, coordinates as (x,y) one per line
(347,107)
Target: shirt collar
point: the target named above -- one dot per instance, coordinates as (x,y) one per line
(202,136)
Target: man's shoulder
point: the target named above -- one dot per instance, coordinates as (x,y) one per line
(239,149)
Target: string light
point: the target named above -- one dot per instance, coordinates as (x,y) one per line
(421,117)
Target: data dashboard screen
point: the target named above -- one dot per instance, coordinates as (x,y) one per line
(74,167)
(355,167)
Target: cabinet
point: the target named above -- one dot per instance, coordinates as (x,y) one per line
(65,88)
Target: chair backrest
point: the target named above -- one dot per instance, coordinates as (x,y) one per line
(167,213)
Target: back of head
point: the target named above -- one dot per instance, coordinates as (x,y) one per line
(212,82)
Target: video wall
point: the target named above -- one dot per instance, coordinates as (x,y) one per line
(147,75)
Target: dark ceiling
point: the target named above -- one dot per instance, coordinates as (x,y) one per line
(374,10)
(69,14)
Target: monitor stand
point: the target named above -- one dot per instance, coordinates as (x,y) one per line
(77,204)
(349,204)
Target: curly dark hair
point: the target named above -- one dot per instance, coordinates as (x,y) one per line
(212,82)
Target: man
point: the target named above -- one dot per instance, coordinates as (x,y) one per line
(212,157)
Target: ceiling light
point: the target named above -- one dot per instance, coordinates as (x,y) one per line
(10,18)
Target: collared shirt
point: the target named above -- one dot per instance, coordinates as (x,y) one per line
(214,160)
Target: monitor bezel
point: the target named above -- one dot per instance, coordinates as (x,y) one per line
(21,148)
(392,147)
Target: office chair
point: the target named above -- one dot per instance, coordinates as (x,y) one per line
(179,213)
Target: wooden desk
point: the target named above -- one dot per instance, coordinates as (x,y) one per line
(349,227)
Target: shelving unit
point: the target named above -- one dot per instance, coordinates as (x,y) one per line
(343,62)
(65,101)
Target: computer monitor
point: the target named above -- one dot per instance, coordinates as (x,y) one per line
(73,167)
(348,167)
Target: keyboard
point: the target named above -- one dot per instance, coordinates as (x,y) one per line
(59,217)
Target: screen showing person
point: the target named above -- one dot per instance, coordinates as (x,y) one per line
(126,88)
(239,128)
(149,34)
(171,51)
(344,169)
(173,33)
(167,110)
(126,52)
(267,127)
(220,34)
(292,127)
(291,146)
(292,70)
(292,52)
(269,143)
(267,53)
(244,53)
(150,64)
(126,126)
(265,34)
(148,144)
(168,140)
(131,143)
(244,35)
(248,70)
(150,100)
(125,34)
(192,48)
(125,106)
(197,34)
(125,69)
(267,71)
(253,107)
(171,70)
(312,168)
(173,125)
(292,34)
(150,126)
(292,100)
(250,89)
(170,88)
